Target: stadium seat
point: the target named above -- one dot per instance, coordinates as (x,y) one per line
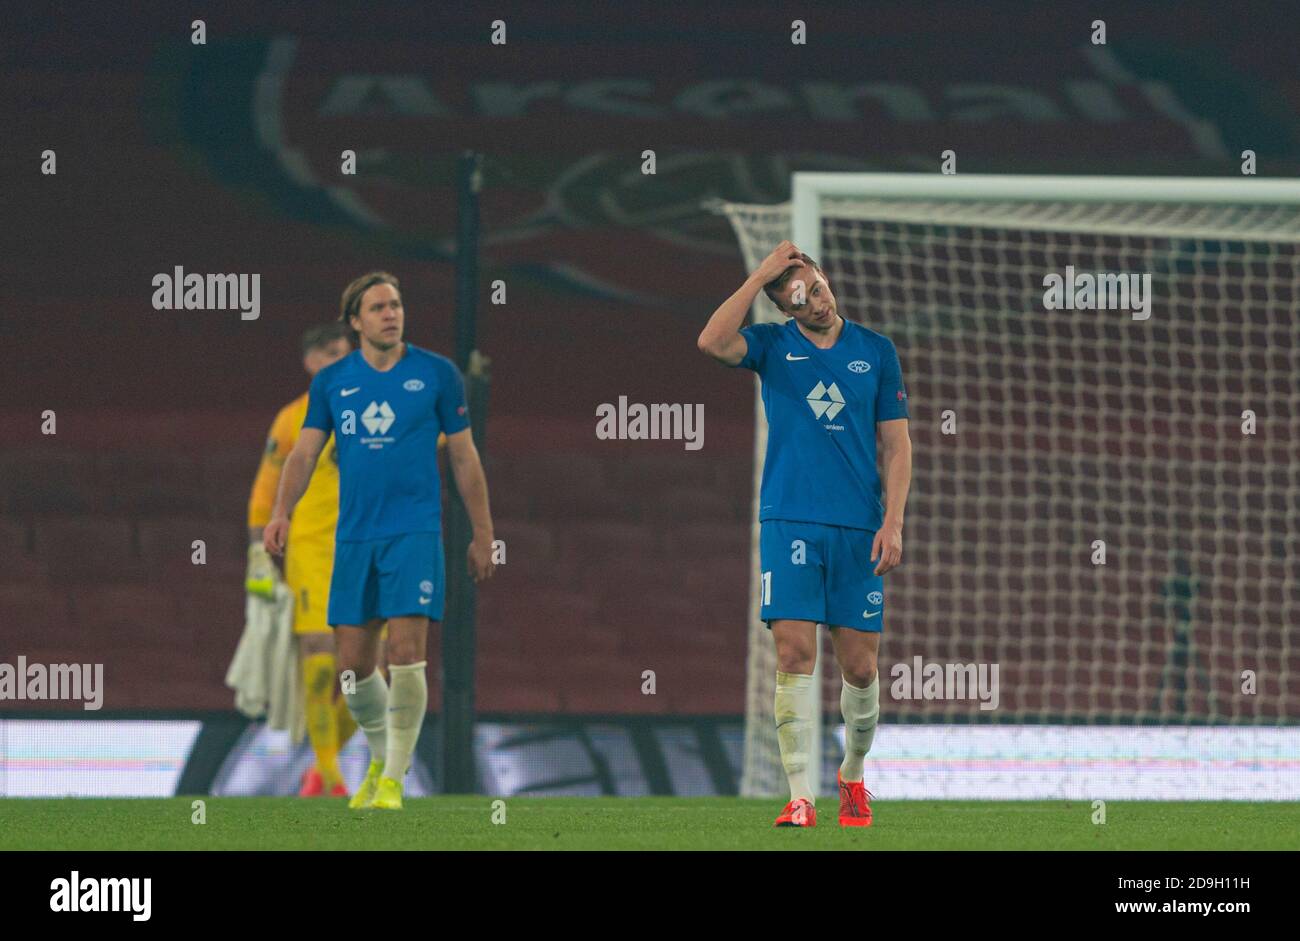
(695,687)
(17,562)
(228,481)
(46,481)
(509,684)
(661,473)
(82,549)
(568,486)
(155,484)
(596,540)
(526,544)
(631,579)
(34,615)
(166,545)
(690,503)
(213,615)
(595,685)
(129,617)
(707,541)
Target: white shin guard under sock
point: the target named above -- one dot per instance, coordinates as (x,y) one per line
(861,709)
(408,698)
(368,704)
(794,730)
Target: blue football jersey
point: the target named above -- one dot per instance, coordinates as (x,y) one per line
(822,407)
(386,426)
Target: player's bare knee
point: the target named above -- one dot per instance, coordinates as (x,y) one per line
(404,655)
(860,674)
(360,667)
(795,660)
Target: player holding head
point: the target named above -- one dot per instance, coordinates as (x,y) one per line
(308,561)
(830,387)
(386,403)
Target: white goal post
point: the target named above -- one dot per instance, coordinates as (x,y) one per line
(1105,502)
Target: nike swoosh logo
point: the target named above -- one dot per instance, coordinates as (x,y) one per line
(347,392)
(866,615)
(424,600)
(792,358)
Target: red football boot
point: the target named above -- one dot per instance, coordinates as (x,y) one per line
(312,783)
(339,790)
(798,813)
(855,803)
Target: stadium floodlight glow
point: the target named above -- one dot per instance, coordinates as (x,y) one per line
(1074,428)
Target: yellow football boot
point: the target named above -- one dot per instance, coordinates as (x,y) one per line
(366,792)
(388,795)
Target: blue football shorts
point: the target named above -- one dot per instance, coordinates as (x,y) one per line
(386,578)
(815,572)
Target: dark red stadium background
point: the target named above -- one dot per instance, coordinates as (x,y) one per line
(224,158)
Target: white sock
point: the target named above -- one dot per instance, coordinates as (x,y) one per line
(369,706)
(861,709)
(794,730)
(407,701)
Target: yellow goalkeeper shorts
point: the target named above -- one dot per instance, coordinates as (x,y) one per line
(308,566)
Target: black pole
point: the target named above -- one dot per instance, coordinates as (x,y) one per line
(458,628)
(469,177)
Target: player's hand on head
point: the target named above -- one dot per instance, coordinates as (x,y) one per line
(480,560)
(782,257)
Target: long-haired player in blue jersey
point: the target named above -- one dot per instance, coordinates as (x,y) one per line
(386,403)
(830,388)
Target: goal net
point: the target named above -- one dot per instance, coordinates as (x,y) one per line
(1105,493)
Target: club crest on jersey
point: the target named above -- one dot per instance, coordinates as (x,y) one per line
(413,385)
(859,365)
(826,401)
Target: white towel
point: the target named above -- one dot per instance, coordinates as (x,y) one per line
(264,671)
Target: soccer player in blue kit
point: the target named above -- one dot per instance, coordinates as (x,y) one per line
(386,403)
(830,387)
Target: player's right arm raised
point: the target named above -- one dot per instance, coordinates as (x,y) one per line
(293,484)
(721,337)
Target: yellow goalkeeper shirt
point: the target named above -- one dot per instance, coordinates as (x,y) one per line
(317,514)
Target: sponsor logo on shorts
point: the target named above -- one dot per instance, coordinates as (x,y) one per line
(424,600)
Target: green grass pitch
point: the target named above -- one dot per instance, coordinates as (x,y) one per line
(660,823)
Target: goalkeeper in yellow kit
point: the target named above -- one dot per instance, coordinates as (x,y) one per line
(308,565)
